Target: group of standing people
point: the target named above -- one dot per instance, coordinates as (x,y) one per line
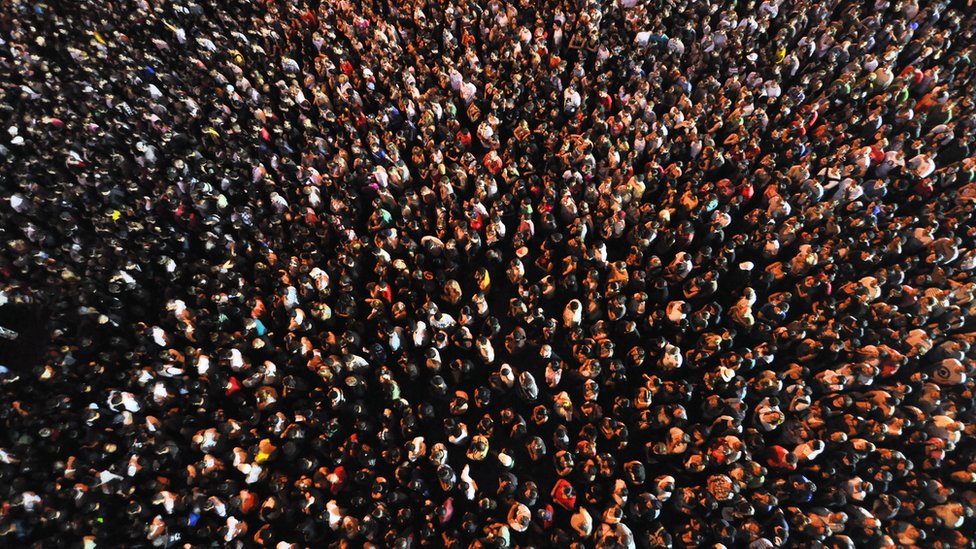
(490,273)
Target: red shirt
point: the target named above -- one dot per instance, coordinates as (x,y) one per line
(564,494)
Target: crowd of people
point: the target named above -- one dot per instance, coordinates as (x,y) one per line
(489,273)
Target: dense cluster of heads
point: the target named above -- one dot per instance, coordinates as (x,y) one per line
(488,274)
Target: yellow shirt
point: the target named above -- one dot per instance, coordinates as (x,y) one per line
(780,55)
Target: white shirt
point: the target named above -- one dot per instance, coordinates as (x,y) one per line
(468,91)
